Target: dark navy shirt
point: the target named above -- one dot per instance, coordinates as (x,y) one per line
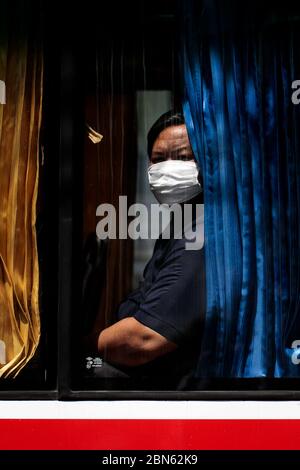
(171,301)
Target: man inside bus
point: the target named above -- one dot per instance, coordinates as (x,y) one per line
(158,328)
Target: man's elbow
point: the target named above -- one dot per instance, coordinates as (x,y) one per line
(131,354)
(148,350)
(136,351)
(134,357)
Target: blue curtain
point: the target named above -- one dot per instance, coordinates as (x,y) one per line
(238,71)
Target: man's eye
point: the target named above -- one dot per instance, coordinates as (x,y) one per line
(158,159)
(185,157)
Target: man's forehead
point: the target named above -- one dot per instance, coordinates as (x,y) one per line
(175,136)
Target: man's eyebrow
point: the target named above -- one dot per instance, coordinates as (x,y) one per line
(160,152)
(182,149)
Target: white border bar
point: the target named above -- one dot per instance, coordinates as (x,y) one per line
(149,410)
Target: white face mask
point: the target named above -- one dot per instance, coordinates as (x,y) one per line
(174,181)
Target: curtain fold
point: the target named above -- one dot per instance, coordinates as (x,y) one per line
(238,71)
(21,68)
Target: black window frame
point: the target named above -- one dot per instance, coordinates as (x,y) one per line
(65,84)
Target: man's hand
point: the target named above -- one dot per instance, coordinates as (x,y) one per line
(130,343)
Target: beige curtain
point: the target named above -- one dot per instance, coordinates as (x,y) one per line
(21,68)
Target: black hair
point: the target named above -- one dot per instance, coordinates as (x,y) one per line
(171,118)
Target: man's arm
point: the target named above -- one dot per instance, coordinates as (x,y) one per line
(130,343)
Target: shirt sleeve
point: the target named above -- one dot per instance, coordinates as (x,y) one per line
(130,305)
(174,305)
